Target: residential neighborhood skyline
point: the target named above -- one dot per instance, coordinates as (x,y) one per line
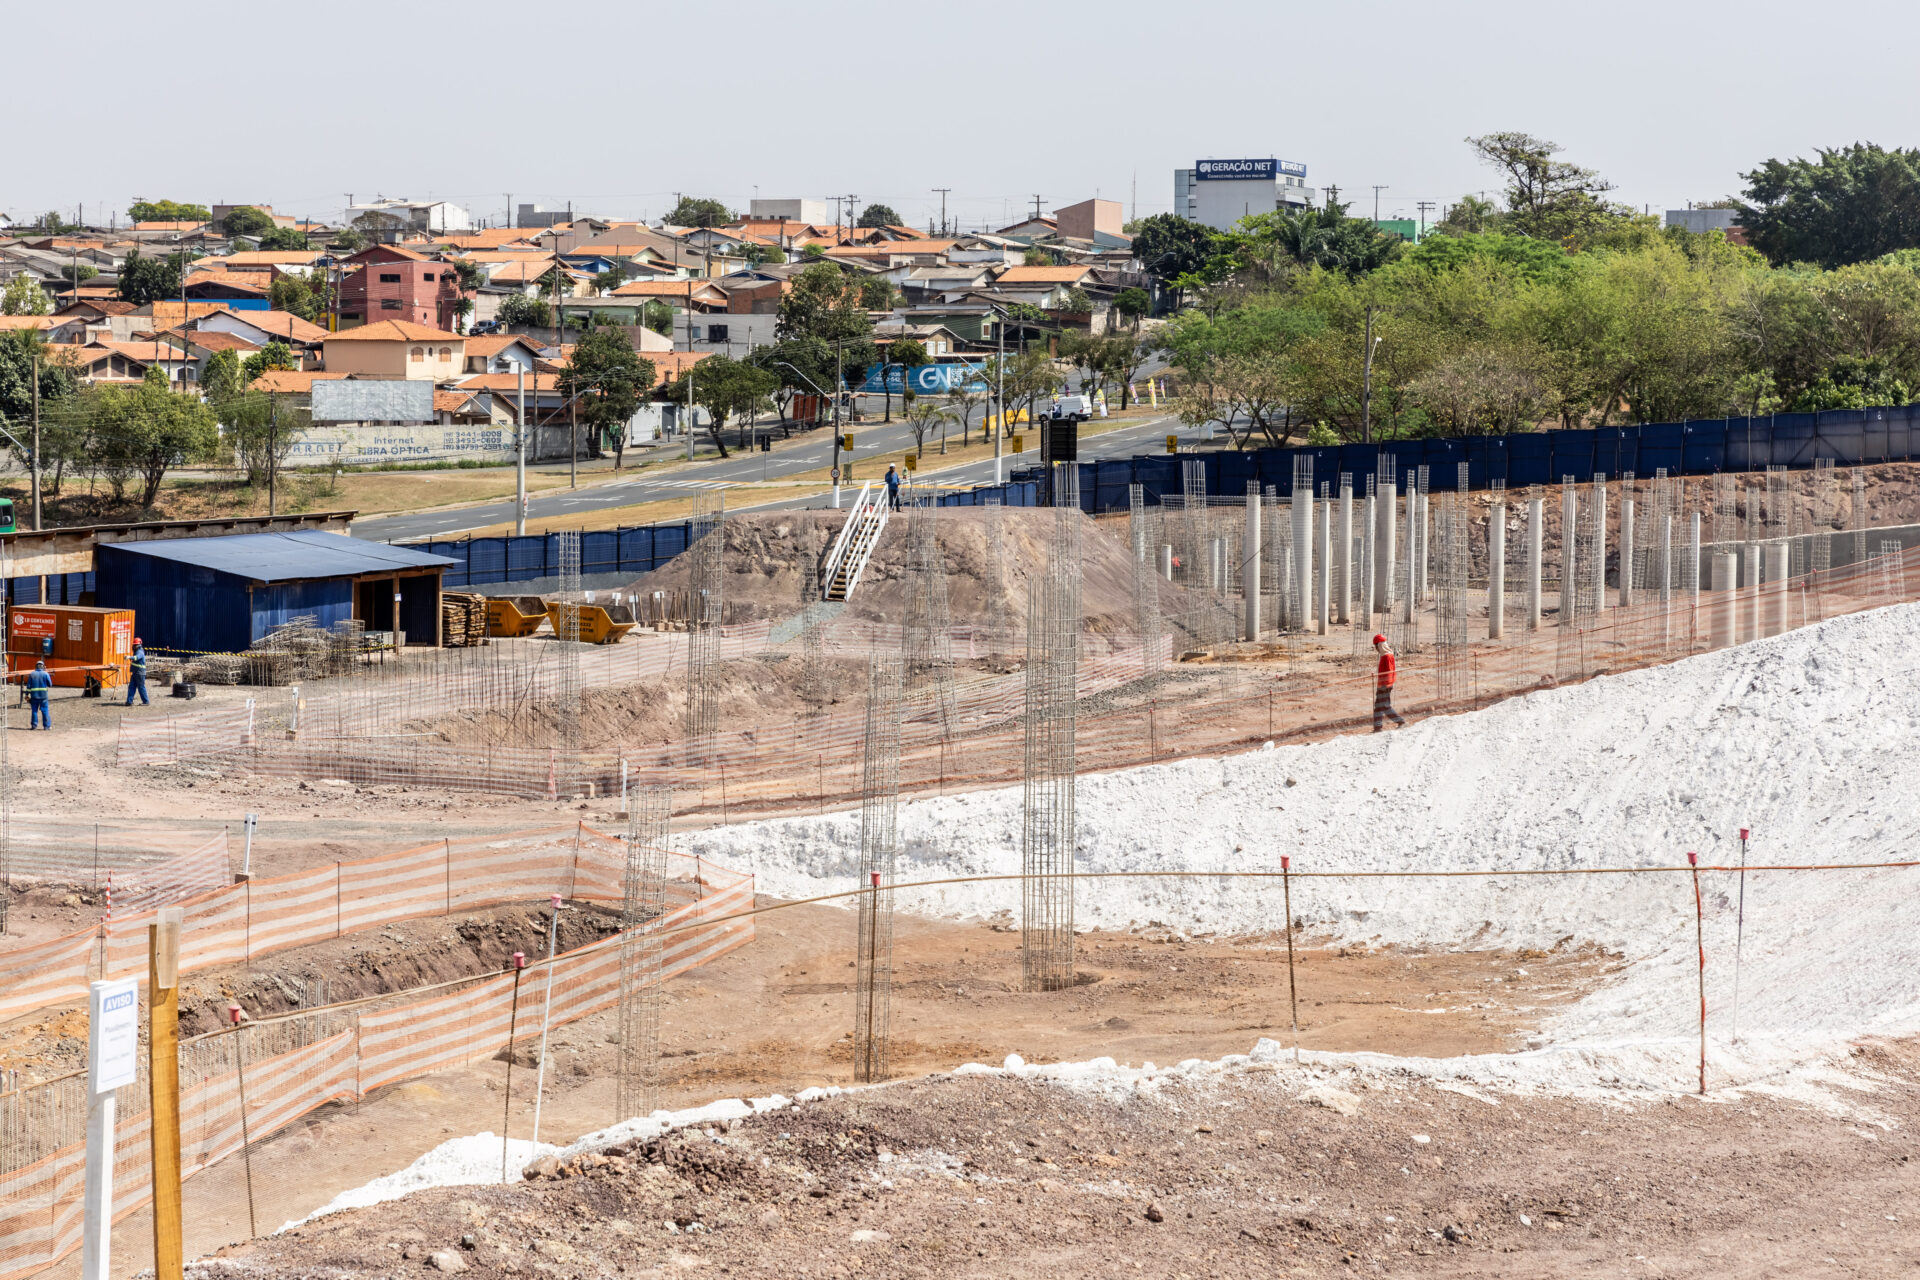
(1121,110)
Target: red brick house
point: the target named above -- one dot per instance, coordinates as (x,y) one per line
(387,282)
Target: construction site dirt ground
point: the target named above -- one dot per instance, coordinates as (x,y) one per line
(775,1018)
(1265,1169)
(1742,1185)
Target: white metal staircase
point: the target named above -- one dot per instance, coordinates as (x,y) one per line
(851,550)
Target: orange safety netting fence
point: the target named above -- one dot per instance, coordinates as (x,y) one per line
(235,923)
(302,1061)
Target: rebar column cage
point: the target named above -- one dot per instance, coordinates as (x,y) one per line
(1047,829)
(879,843)
(643,898)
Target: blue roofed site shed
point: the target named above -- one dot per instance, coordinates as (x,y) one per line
(219,595)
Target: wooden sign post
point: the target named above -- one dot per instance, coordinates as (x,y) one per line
(163,1079)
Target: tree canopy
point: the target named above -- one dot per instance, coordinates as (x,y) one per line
(144,279)
(1547,199)
(696,211)
(878,215)
(1852,204)
(23,296)
(167,211)
(283,239)
(246,221)
(1559,310)
(611,380)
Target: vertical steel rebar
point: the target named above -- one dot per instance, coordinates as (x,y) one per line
(879,847)
(1047,834)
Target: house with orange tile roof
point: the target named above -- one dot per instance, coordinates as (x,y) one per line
(695,295)
(396,349)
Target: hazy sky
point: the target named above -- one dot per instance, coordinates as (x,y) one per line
(617,106)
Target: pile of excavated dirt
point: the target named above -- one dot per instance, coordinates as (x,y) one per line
(771,557)
(750,692)
(1248,1169)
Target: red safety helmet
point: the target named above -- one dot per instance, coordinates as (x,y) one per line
(136,640)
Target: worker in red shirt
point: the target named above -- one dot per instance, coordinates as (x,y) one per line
(1383,678)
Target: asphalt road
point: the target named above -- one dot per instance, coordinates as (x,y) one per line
(809,451)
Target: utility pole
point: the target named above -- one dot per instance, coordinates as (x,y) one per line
(1366,385)
(36,444)
(839,395)
(520,464)
(573,440)
(273,453)
(1036,206)
(943,207)
(1423,206)
(1377,189)
(513,219)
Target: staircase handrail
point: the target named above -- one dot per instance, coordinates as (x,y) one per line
(882,508)
(840,543)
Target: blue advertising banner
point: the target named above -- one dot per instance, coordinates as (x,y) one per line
(927,380)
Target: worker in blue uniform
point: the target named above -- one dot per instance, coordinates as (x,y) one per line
(137,674)
(39,690)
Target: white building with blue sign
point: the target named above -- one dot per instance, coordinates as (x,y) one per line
(1220,192)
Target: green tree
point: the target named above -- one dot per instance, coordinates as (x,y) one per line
(221,378)
(1547,199)
(1469,215)
(78,272)
(24,297)
(658,316)
(21,350)
(1077,302)
(275,355)
(694,211)
(518,311)
(144,280)
(246,221)
(878,215)
(1038,257)
(611,380)
(826,305)
(348,240)
(877,293)
(1168,247)
(1852,204)
(922,418)
(166,211)
(1133,303)
(725,388)
(154,428)
(284,239)
(756,253)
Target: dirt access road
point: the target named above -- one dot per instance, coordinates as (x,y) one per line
(1262,1170)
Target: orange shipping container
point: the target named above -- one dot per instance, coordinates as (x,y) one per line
(89,643)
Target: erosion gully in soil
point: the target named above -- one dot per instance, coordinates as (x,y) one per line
(1492,1074)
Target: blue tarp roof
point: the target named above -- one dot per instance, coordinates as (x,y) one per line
(284,557)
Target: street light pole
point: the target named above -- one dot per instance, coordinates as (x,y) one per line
(520,461)
(1000,390)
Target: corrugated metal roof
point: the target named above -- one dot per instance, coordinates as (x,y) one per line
(284,557)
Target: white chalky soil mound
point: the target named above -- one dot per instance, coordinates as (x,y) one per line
(1808,738)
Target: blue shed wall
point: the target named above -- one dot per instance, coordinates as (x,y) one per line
(328,601)
(175,606)
(186,607)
